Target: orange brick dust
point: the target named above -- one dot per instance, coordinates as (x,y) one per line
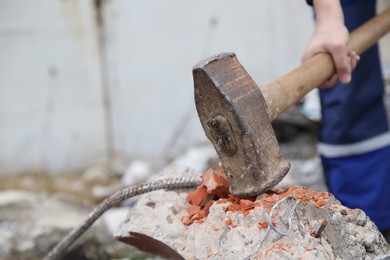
(215,189)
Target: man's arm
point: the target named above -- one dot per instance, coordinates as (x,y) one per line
(331,35)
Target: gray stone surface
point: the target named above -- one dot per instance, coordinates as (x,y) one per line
(225,234)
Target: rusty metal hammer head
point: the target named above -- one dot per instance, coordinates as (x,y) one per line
(234,116)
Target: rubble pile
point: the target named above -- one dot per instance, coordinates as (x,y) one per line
(211,223)
(30,225)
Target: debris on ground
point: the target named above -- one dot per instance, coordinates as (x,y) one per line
(211,223)
(31,224)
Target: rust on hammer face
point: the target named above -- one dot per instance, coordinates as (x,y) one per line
(234,117)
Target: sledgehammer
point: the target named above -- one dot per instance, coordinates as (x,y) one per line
(236,115)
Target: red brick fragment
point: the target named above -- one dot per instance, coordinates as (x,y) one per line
(193,209)
(229,222)
(196,197)
(215,187)
(216,182)
(320,203)
(263,225)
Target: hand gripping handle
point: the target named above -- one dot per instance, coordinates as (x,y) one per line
(290,88)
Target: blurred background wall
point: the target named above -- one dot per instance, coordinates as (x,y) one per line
(109,81)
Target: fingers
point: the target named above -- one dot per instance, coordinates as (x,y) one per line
(308,54)
(330,82)
(353,59)
(342,62)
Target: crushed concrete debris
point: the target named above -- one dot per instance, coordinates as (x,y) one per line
(138,171)
(199,158)
(31,224)
(113,217)
(211,223)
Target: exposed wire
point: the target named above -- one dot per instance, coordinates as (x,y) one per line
(270,226)
(279,231)
(115,199)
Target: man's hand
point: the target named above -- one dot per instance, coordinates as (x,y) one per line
(331,35)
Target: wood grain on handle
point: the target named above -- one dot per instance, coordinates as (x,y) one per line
(290,88)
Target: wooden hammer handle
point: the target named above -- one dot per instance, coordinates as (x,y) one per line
(292,87)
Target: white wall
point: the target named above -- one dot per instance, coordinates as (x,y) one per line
(81,84)
(153,45)
(50,83)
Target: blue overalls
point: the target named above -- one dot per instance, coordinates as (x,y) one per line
(354,141)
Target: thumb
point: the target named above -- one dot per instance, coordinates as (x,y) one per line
(307,54)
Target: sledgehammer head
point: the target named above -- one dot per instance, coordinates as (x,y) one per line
(234,116)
